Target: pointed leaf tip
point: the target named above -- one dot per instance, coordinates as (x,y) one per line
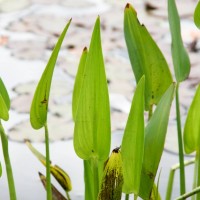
(85,49)
(127,5)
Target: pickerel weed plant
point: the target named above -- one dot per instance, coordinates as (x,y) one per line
(132,167)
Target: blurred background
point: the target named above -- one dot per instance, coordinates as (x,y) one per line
(29,30)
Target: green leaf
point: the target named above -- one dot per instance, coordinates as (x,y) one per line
(4,94)
(78,82)
(39,107)
(133,142)
(59,174)
(56,194)
(197,15)
(3,109)
(146,58)
(155,133)
(112,180)
(191,134)
(92,132)
(179,54)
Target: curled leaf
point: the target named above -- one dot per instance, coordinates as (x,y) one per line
(59,174)
(56,194)
(112,180)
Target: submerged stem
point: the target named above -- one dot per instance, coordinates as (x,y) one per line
(10,178)
(180,143)
(48,175)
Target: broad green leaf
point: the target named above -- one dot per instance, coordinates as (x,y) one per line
(197,15)
(56,194)
(146,58)
(3,109)
(179,54)
(155,133)
(78,82)
(39,107)
(191,134)
(59,174)
(92,123)
(133,142)
(4,94)
(112,180)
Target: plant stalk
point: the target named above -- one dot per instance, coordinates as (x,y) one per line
(127,197)
(180,143)
(10,178)
(48,173)
(189,194)
(95,177)
(196,181)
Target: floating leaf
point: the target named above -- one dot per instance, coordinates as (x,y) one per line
(155,133)
(59,174)
(56,194)
(133,142)
(4,94)
(179,54)
(197,15)
(39,107)
(112,181)
(191,134)
(92,123)
(146,58)
(78,82)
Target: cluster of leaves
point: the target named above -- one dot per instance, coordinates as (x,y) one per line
(131,168)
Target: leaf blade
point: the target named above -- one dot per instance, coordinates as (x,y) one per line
(191,134)
(197,15)
(133,142)
(180,57)
(155,133)
(39,106)
(92,124)
(146,59)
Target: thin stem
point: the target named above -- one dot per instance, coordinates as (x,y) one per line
(171,177)
(180,143)
(197,172)
(68,197)
(96,178)
(170,185)
(189,194)
(48,175)
(10,178)
(127,197)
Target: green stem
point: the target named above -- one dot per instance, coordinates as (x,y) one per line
(95,177)
(171,177)
(197,173)
(189,194)
(68,197)
(135,197)
(180,143)
(127,197)
(10,178)
(48,175)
